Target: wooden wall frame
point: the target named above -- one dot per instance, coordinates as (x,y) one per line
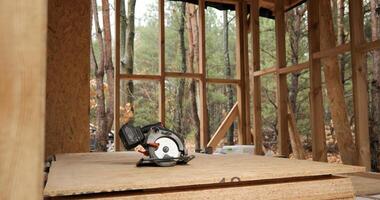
(241,67)
(357,46)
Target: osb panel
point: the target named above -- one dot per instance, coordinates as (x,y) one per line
(22,97)
(339,188)
(67,106)
(97,172)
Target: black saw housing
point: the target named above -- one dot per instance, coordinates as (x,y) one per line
(132,136)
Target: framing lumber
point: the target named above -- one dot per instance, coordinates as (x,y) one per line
(245,77)
(221,132)
(139,77)
(265,71)
(343,48)
(68,77)
(117,77)
(282,89)
(22,93)
(256,89)
(223,81)
(316,96)
(369,46)
(293,68)
(183,75)
(360,84)
(240,71)
(162,109)
(204,133)
(294,135)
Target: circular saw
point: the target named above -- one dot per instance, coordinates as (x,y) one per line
(161,146)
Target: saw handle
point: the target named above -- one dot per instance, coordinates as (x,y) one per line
(146,129)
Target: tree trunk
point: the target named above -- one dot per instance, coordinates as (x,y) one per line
(334,87)
(375,91)
(181,86)
(108,65)
(192,24)
(128,54)
(227,64)
(294,28)
(123,35)
(341,37)
(101,119)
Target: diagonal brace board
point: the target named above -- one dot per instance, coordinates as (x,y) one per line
(222,129)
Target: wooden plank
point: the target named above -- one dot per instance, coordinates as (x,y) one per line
(365,183)
(117,77)
(139,77)
(369,46)
(284,70)
(223,81)
(22,93)
(161,14)
(256,89)
(204,133)
(282,89)
(360,84)
(183,75)
(294,68)
(84,173)
(343,48)
(333,188)
(265,71)
(248,133)
(240,71)
(294,135)
(316,96)
(68,77)
(223,128)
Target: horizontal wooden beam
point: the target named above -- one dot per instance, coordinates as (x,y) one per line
(183,75)
(224,126)
(139,77)
(333,51)
(294,68)
(369,46)
(223,81)
(285,70)
(265,71)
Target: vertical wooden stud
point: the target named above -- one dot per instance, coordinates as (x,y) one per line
(316,97)
(240,71)
(255,34)
(282,91)
(117,77)
(248,133)
(204,133)
(359,82)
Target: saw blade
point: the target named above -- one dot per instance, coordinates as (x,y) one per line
(167,148)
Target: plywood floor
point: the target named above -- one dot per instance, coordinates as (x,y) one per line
(106,172)
(365,183)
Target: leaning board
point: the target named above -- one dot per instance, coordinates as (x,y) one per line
(110,174)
